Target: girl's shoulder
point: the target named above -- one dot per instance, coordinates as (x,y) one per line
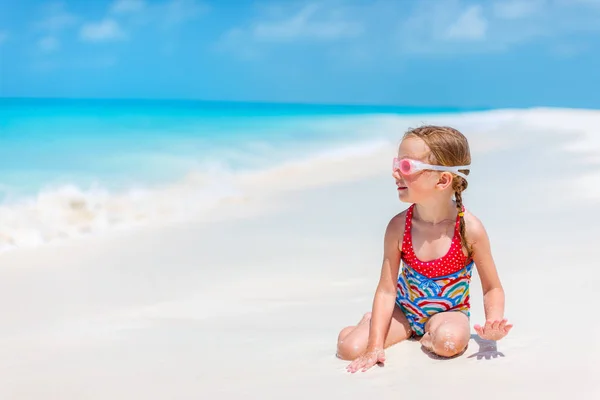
(474,227)
(395,227)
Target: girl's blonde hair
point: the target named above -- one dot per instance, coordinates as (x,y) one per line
(448,147)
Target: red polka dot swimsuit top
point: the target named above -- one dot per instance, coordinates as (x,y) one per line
(453,261)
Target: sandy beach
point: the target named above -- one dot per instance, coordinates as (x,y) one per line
(247,301)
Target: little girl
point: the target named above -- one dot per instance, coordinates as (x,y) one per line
(437,242)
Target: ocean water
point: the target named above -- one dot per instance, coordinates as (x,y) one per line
(75,167)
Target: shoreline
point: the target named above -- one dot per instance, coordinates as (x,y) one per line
(70,211)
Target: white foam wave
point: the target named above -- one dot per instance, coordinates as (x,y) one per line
(61,212)
(69,211)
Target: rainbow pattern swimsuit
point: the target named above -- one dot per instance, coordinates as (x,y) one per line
(431,287)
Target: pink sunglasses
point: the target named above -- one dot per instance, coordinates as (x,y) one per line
(407,166)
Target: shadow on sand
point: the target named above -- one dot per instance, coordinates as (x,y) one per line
(487,350)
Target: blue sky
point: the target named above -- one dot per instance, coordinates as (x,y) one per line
(510,53)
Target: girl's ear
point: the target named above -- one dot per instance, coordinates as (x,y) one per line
(444,181)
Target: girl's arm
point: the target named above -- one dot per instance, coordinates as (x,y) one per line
(496,326)
(493,293)
(385,295)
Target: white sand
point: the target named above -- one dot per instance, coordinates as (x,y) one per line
(248,303)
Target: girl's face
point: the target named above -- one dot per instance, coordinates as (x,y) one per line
(421,185)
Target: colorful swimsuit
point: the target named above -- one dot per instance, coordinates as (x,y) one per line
(427,288)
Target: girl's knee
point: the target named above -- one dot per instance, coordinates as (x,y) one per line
(349,349)
(344,332)
(449,340)
(348,346)
(352,340)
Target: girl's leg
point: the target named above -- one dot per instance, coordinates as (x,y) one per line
(352,340)
(447,333)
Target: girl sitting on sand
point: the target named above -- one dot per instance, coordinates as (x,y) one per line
(438,242)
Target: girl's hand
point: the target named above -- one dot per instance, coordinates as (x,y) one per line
(367,360)
(493,330)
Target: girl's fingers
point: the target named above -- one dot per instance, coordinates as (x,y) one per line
(363,361)
(502,324)
(370,362)
(493,330)
(353,364)
(364,365)
(479,330)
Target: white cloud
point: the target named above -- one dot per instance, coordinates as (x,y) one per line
(56,18)
(179,11)
(52,24)
(123,16)
(421,28)
(325,22)
(164,14)
(49,44)
(470,25)
(311,22)
(442,28)
(455,27)
(515,9)
(127,6)
(105,30)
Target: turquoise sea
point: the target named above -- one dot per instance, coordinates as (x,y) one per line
(108,160)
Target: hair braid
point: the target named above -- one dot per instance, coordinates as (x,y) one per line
(459,185)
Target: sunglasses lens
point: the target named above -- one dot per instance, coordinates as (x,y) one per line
(405,167)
